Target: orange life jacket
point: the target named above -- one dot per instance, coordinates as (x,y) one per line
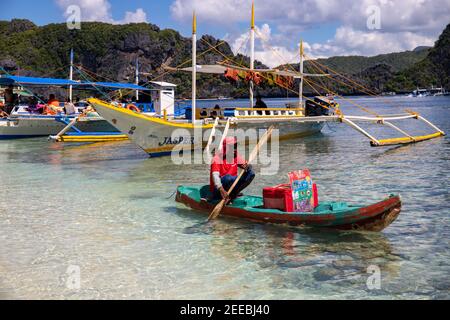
(54,103)
(49,111)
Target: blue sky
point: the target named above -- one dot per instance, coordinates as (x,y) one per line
(48,11)
(328,27)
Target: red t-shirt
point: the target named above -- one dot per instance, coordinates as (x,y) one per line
(223,167)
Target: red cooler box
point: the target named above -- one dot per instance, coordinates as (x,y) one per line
(278,197)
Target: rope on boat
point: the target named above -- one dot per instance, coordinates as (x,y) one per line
(320,80)
(95,86)
(25,88)
(325,69)
(127,91)
(348,120)
(262,75)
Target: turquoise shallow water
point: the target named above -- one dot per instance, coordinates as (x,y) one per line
(106,209)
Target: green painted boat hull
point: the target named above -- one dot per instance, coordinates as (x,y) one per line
(329,214)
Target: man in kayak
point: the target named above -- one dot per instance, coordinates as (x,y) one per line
(224,171)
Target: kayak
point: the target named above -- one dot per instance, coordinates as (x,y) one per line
(336,215)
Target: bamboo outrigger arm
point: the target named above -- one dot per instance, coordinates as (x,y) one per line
(57,137)
(419,117)
(398,129)
(385,120)
(361,130)
(409,138)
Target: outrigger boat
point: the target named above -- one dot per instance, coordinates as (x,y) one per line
(24,123)
(328,214)
(159,134)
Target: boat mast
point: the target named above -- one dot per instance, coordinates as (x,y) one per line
(252,50)
(137,78)
(300,89)
(71,74)
(194,65)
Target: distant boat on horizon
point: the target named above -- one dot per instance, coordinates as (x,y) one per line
(433,91)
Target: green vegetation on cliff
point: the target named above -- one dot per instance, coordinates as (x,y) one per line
(110,51)
(434,69)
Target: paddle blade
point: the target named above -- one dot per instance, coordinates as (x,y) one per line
(216,211)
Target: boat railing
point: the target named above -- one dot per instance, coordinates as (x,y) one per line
(146,107)
(268,112)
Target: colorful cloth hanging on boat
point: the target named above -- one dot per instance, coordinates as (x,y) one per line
(232,74)
(254,76)
(285,82)
(271,79)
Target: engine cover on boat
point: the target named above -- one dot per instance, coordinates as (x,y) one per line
(318,107)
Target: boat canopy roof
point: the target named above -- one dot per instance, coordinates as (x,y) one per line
(19,80)
(34,81)
(221,68)
(115,85)
(163,84)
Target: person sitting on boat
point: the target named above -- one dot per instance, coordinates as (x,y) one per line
(116,102)
(11,99)
(216,111)
(89,111)
(69,107)
(224,171)
(53,107)
(52,101)
(33,105)
(3,114)
(260,104)
(40,106)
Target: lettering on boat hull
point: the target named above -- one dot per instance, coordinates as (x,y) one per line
(176,140)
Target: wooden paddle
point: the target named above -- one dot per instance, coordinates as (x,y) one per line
(218,208)
(213,131)
(225,132)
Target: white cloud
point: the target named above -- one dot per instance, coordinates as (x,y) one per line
(405,24)
(217,11)
(270,55)
(135,17)
(400,15)
(100,10)
(348,41)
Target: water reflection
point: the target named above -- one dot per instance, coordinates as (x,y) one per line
(335,255)
(110,209)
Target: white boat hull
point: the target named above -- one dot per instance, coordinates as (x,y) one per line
(36,126)
(158,137)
